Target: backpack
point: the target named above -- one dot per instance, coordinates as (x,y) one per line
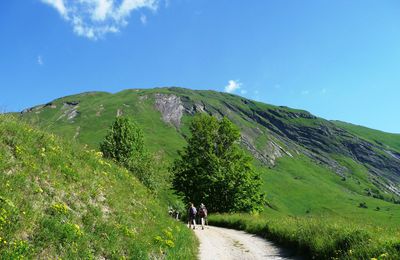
(202,213)
(193,211)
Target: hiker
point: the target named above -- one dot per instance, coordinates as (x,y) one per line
(171,211)
(203,215)
(176,214)
(192,215)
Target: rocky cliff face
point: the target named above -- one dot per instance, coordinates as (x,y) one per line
(171,108)
(324,139)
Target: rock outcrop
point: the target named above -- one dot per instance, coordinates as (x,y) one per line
(171,108)
(69,111)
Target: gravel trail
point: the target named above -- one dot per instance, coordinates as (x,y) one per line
(222,244)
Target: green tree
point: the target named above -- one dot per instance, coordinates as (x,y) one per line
(124,144)
(213,169)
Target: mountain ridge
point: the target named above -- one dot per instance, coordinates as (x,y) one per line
(268,132)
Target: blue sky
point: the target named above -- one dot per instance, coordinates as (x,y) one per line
(337,59)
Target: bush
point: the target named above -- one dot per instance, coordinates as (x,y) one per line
(124,144)
(363,205)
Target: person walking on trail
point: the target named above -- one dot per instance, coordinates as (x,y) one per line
(192,216)
(203,215)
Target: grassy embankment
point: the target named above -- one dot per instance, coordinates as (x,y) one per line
(319,213)
(58,200)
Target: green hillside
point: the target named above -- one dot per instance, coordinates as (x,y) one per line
(301,188)
(313,169)
(391,141)
(268,132)
(61,201)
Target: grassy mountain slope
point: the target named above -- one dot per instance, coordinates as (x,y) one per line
(301,188)
(268,132)
(58,200)
(391,141)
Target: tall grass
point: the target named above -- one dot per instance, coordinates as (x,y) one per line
(320,237)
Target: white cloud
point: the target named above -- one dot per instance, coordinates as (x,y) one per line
(95,18)
(232,86)
(102,9)
(143,19)
(57,4)
(40,60)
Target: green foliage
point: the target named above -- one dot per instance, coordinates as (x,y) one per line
(214,170)
(124,143)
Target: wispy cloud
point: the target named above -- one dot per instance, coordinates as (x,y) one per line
(243,92)
(143,19)
(40,60)
(95,18)
(167,3)
(232,86)
(323,91)
(305,92)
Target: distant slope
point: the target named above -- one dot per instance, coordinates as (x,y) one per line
(59,201)
(270,133)
(299,187)
(392,141)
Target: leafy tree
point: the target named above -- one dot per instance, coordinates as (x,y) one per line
(213,169)
(124,144)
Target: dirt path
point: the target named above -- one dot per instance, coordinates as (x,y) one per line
(221,243)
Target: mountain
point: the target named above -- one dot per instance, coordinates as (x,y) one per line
(281,139)
(59,200)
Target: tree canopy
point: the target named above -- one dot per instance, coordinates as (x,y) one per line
(124,144)
(123,141)
(213,169)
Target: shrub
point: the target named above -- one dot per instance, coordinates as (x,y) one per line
(124,144)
